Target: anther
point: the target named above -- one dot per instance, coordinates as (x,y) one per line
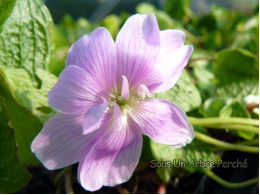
(110,105)
(119,98)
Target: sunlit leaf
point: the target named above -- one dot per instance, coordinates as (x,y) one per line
(237,71)
(25,38)
(178,9)
(184,93)
(164,20)
(19,84)
(112,23)
(183,158)
(236,109)
(6,7)
(212,106)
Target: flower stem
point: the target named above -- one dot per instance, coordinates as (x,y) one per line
(228,184)
(245,142)
(222,121)
(238,127)
(60,174)
(249,142)
(240,124)
(225,145)
(68,184)
(122,190)
(201,58)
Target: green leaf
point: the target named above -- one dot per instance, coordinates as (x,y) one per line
(237,71)
(166,22)
(169,158)
(202,72)
(226,107)
(6,7)
(207,23)
(236,109)
(205,79)
(25,38)
(47,80)
(164,173)
(61,47)
(178,9)
(247,40)
(27,107)
(239,89)
(214,40)
(83,27)
(146,154)
(26,127)
(184,93)
(19,84)
(69,30)
(112,23)
(251,23)
(212,106)
(163,19)
(13,176)
(145,8)
(235,64)
(248,35)
(192,152)
(226,19)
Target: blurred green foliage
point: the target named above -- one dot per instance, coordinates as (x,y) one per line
(220,80)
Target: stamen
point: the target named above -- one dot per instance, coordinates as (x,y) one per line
(143,91)
(120,98)
(125,88)
(110,106)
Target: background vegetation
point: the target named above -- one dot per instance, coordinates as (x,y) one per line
(218,90)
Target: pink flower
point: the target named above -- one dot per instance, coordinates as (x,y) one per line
(103,99)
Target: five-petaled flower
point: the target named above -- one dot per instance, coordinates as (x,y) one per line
(104,104)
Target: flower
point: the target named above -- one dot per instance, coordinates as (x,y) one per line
(104,104)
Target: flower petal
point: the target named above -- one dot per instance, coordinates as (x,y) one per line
(75,91)
(127,159)
(125,88)
(143,91)
(137,47)
(61,143)
(96,54)
(164,122)
(93,118)
(112,158)
(117,116)
(172,58)
(98,114)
